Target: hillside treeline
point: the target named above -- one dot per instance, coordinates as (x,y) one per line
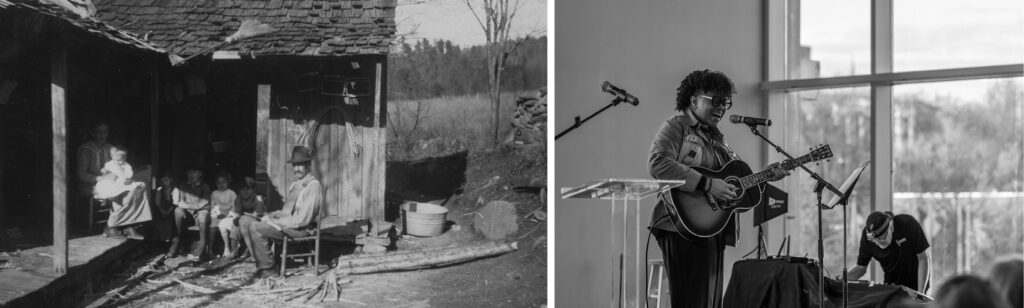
(427,69)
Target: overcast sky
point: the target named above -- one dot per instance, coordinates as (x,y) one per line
(928,34)
(451,20)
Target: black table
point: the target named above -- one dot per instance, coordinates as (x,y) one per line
(783,283)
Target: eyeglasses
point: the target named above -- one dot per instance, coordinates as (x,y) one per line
(719,101)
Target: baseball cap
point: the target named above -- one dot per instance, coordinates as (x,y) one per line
(878,224)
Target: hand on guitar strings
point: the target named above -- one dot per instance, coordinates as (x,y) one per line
(722,190)
(777,172)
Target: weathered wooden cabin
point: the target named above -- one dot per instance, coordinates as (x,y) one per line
(317,80)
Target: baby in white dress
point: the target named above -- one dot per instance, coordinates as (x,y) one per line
(117,175)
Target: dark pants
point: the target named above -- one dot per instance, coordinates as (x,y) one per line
(694,269)
(257,235)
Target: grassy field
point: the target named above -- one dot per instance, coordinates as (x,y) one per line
(445,125)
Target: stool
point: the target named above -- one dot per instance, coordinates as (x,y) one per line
(657,265)
(99,212)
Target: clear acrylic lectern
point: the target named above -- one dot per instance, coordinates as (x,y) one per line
(627,268)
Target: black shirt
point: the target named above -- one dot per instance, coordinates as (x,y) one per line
(899,259)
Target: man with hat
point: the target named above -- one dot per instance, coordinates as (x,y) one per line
(304,199)
(900,246)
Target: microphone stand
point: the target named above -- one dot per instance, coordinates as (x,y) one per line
(819,187)
(577,123)
(846,282)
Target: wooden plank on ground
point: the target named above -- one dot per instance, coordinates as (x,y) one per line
(408,260)
(58,108)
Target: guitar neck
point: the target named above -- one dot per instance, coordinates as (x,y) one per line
(763,176)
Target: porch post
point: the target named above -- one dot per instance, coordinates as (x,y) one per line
(377,158)
(263,137)
(58,107)
(154,126)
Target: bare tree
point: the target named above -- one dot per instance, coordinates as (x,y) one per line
(496,24)
(408,21)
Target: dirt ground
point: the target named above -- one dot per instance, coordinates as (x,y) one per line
(515,279)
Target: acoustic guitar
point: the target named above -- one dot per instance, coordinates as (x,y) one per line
(704,216)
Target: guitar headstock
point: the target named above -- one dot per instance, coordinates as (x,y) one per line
(822,152)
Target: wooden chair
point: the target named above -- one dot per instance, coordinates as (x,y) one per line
(312,257)
(99,213)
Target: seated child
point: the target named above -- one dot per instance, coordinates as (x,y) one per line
(223,200)
(117,176)
(164,226)
(248,203)
(191,200)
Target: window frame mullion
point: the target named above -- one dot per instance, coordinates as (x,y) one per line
(881,112)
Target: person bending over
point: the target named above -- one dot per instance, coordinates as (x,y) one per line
(899,245)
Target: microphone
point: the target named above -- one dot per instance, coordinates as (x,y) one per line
(749,121)
(619,93)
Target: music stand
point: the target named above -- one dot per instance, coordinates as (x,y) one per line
(624,190)
(844,199)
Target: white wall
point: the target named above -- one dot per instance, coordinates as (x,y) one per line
(646,47)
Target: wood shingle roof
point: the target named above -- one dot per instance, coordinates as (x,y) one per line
(86,24)
(303,27)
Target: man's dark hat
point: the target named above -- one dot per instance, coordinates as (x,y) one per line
(301,154)
(878,223)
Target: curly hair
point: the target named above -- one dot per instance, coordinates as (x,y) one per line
(707,80)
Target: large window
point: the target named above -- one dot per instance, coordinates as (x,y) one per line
(832,38)
(872,79)
(958,160)
(838,117)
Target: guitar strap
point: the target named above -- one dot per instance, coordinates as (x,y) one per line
(713,137)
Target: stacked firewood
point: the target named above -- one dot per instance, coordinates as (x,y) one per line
(529,120)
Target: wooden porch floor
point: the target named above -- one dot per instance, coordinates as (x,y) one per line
(29,279)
